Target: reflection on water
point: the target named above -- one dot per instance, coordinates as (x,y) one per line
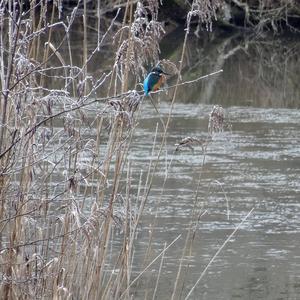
(257,71)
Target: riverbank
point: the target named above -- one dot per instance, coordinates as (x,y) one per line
(275,16)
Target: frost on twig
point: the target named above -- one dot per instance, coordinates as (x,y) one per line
(215,125)
(191,142)
(216,120)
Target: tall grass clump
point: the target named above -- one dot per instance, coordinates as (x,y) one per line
(66,186)
(60,187)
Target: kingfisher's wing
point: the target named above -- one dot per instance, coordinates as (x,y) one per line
(151,81)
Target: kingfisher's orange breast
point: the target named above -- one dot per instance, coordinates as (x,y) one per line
(159,83)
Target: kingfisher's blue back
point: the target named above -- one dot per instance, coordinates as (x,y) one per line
(153,80)
(147,88)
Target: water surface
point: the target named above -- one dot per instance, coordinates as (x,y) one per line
(256,164)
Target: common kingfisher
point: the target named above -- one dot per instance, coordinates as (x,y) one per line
(154,80)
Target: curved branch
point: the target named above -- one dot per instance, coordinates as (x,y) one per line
(84,104)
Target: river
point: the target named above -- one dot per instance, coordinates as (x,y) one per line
(252,165)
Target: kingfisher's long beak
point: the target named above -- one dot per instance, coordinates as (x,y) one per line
(165,73)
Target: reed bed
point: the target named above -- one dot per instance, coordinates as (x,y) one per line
(66,185)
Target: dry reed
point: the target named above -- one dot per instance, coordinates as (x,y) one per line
(62,191)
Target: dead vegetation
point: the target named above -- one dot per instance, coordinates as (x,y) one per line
(62,174)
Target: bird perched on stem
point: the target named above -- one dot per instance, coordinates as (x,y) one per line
(154,80)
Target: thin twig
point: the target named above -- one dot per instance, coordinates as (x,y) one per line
(150,264)
(218,252)
(157,111)
(159,273)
